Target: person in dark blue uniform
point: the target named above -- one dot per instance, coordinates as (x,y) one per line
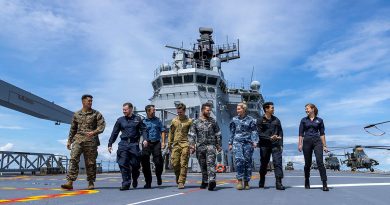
(152,145)
(270,133)
(128,154)
(312,138)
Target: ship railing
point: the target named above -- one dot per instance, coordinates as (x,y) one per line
(22,162)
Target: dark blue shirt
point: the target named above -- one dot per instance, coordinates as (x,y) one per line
(309,128)
(131,129)
(266,128)
(154,128)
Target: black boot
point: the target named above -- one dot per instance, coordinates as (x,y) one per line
(204,185)
(262,182)
(124,188)
(135,184)
(307,183)
(325,186)
(212,185)
(159,180)
(279,185)
(148,185)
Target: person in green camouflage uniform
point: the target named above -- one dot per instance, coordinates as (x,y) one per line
(205,137)
(178,144)
(86,124)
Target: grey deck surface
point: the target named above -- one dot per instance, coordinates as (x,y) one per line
(345,188)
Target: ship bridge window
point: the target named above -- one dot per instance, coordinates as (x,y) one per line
(177,80)
(188,78)
(167,81)
(201,88)
(212,80)
(211,90)
(201,79)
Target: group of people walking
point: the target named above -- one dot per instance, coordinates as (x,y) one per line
(186,136)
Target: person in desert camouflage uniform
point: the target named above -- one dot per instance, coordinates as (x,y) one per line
(86,124)
(178,144)
(205,136)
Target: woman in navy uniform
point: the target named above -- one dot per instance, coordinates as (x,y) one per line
(312,138)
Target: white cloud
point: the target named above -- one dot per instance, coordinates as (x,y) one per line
(284,93)
(33,27)
(367,97)
(11,127)
(363,48)
(63,141)
(7,147)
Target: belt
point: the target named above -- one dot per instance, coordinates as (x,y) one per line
(130,140)
(150,141)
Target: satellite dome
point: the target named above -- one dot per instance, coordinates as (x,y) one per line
(255,85)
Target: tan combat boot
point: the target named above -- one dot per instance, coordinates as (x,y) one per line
(239,184)
(67,185)
(246,185)
(91,186)
(180,186)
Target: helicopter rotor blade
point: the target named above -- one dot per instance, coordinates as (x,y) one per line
(368,127)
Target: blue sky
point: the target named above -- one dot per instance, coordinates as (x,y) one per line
(335,54)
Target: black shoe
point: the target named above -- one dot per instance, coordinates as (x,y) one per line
(124,188)
(147,186)
(159,180)
(262,182)
(203,185)
(307,183)
(325,186)
(135,184)
(279,185)
(212,185)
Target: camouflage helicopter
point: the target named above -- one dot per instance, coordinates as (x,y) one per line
(289,166)
(332,162)
(358,159)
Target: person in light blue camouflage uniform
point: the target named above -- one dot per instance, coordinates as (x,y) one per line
(243,140)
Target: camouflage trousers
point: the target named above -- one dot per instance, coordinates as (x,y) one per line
(206,156)
(179,161)
(89,149)
(243,157)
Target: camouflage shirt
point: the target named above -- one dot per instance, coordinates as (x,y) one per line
(178,132)
(243,130)
(83,122)
(205,132)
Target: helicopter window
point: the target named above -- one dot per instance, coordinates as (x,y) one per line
(201,88)
(188,79)
(167,81)
(201,79)
(211,90)
(212,80)
(177,80)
